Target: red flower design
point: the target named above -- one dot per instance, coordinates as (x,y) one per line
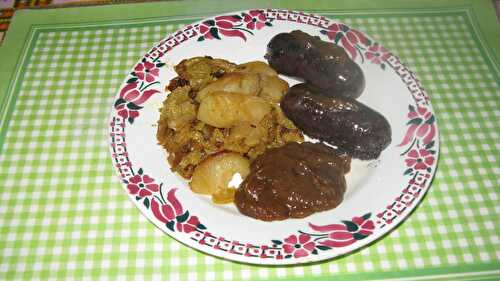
(341,235)
(126,113)
(204,28)
(347,36)
(142,185)
(419,159)
(299,247)
(422,125)
(255,19)
(172,214)
(365,226)
(224,25)
(226,22)
(377,54)
(167,212)
(190,225)
(163,212)
(130,99)
(146,70)
(130,92)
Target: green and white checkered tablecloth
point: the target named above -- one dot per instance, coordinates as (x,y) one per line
(64,215)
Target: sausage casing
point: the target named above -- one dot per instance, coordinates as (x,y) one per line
(344,122)
(322,64)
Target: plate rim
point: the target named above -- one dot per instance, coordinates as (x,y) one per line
(392,60)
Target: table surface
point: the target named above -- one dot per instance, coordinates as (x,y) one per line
(64,215)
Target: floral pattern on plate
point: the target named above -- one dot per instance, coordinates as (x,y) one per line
(159,202)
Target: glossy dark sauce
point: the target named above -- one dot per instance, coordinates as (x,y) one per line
(293,181)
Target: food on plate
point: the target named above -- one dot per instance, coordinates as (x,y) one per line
(252,78)
(259,67)
(293,181)
(324,65)
(224,124)
(246,84)
(344,122)
(178,110)
(230,109)
(214,174)
(200,71)
(217,110)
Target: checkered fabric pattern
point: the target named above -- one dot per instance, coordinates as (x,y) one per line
(64,215)
(8,7)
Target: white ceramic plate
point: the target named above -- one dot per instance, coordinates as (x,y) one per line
(380,194)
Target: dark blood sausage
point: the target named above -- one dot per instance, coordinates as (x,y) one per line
(344,122)
(293,181)
(324,65)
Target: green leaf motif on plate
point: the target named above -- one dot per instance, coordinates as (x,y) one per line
(215,33)
(338,37)
(133,106)
(416,121)
(429,145)
(359,236)
(351,227)
(408,171)
(120,101)
(132,80)
(146,202)
(170,225)
(182,218)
